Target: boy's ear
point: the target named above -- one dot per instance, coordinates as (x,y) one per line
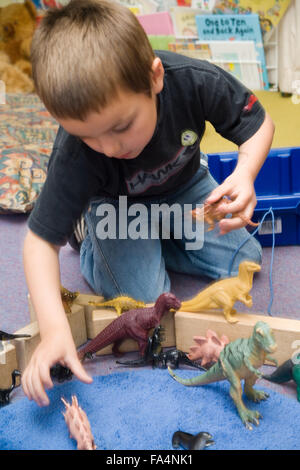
(158,73)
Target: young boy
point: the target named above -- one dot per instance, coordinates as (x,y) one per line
(130,125)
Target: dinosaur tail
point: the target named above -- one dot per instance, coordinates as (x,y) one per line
(214,374)
(191,306)
(111,334)
(133,363)
(190,363)
(282,374)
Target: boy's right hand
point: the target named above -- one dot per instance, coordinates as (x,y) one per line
(55,347)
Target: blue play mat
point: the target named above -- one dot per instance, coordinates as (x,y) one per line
(142,409)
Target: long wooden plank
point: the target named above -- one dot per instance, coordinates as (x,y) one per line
(188,325)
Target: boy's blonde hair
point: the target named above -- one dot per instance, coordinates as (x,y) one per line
(84,53)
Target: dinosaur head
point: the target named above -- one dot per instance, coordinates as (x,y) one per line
(168,301)
(251,266)
(264,336)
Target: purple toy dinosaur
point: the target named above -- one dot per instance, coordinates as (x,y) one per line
(134,324)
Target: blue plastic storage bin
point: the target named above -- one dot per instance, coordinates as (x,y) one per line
(277,185)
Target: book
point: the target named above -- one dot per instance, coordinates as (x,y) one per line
(238,58)
(270,11)
(157,23)
(184,21)
(234,28)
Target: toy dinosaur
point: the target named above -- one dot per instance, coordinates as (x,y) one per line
(120,304)
(133,324)
(224,293)
(211,214)
(190,442)
(5,393)
(8,336)
(78,424)
(67,298)
(239,360)
(207,348)
(60,373)
(289,370)
(155,356)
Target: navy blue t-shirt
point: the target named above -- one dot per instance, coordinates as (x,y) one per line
(194,91)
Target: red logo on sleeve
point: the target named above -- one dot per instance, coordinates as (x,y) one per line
(252,99)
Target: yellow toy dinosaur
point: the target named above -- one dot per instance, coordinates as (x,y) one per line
(120,304)
(67,298)
(223,294)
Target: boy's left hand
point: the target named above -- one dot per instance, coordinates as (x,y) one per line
(239,188)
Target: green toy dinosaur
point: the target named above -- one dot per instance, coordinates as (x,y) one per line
(120,304)
(241,359)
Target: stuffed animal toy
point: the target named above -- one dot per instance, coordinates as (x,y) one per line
(17,25)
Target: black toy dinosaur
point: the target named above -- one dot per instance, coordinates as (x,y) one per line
(155,356)
(5,393)
(192,442)
(7,336)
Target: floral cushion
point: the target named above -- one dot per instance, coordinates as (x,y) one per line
(27,135)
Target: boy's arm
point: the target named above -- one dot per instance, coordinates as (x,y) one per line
(41,265)
(239,186)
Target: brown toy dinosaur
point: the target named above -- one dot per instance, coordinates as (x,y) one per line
(223,294)
(210,214)
(134,324)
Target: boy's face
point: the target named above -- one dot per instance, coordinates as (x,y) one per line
(123,128)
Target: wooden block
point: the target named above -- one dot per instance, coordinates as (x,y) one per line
(31,310)
(8,362)
(77,319)
(101,318)
(188,325)
(77,324)
(83,300)
(26,346)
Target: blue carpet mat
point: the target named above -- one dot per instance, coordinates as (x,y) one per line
(139,410)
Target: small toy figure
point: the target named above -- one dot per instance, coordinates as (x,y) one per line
(120,304)
(207,348)
(60,373)
(224,293)
(158,358)
(5,393)
(239,360)
(190,442)
(211,214)
(78,424)
(67,298)
(133,324)
(289,370)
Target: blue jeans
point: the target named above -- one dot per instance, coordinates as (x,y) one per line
(138,268)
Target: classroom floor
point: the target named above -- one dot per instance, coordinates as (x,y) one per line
(14,313)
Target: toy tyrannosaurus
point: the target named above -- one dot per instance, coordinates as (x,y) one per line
(133,324)
(240,359)
(289,370)
(211,214)
(120,304)
(224,293)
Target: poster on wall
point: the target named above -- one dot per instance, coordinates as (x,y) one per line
(270,11)
(234,27)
